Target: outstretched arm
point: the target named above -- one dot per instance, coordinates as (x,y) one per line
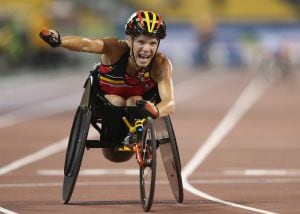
(74,43)
(77,43)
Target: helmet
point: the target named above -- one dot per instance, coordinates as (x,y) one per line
(146,22)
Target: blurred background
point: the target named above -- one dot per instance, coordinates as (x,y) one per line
(201,34)
(217,48)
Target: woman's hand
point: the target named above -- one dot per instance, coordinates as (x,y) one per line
(52,37)
(147,108)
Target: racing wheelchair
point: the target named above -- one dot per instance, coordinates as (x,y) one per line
(146,136)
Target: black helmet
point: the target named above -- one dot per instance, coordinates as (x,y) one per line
(146,22)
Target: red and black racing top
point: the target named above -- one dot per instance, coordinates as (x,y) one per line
(114,80)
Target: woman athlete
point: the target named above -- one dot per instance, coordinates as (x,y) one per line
(129,68)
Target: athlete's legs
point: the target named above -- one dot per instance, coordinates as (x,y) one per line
(132,100)
(115,99)
(120,101)
(111,153)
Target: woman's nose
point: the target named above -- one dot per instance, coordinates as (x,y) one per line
(147,47)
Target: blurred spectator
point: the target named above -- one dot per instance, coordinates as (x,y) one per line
(205,26)
(13,42)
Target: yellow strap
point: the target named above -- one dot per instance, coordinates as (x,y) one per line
(126,149)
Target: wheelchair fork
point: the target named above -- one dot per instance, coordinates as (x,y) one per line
(139,154)
(136,131)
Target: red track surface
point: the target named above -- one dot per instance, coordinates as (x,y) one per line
(265,138)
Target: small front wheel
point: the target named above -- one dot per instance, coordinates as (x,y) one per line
(148,165)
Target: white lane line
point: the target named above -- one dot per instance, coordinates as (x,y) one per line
(52,149)
(44,109)
(263,172)
(134,172)
(200,83)
(43,153)
(160,182)
(6,211)
(91,172)
(246,100)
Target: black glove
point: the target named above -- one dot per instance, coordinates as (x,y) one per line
(147,109)
(50,38)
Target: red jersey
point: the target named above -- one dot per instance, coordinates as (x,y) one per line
(114,80)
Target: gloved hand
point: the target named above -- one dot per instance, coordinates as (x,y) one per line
(50,37)
(147,108)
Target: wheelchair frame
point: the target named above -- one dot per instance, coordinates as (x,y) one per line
(90,112)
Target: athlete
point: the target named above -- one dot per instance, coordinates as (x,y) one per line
(129,68)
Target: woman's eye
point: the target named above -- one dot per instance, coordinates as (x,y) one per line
(140,42)
(153,43)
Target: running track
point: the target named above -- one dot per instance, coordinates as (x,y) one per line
(238,135)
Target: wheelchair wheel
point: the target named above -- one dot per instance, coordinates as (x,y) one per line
(75,150)
(148,169)
(171,159)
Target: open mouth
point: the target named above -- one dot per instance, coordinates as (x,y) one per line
(144,57)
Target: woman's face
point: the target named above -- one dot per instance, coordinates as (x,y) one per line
(143,47)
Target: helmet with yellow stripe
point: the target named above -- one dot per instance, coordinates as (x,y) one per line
(146,22)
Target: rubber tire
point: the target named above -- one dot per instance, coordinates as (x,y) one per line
(172,164)
(147,197)
(75,151)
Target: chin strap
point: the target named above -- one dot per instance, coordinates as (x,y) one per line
(131,54)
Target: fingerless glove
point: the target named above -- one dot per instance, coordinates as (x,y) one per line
(50,38)
(147,109)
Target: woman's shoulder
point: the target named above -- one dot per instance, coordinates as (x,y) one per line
(162,66)
(113,42)
(115,48)
(162,61)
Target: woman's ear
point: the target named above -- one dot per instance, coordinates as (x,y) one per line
(129,41)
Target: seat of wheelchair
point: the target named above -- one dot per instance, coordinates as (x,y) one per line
(107,120)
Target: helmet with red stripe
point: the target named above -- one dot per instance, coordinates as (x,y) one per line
(146,22)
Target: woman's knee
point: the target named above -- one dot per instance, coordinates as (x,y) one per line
(132,100)
(115,100)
